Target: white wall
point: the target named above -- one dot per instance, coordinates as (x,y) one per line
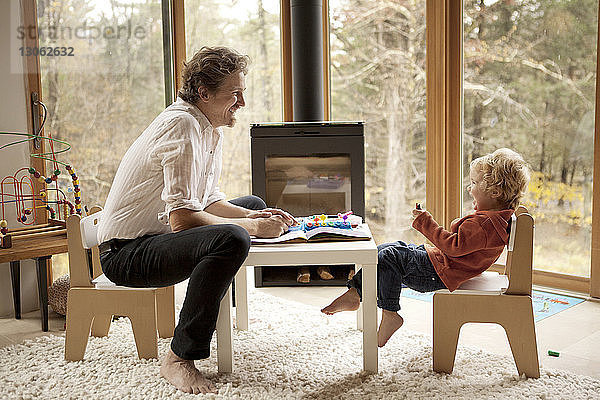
(13,118)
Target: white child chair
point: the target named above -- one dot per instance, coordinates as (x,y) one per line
(503,299)
(93,299)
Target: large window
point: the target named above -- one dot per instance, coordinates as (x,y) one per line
(378,76)
(529,84)
(251,27)
(102,95)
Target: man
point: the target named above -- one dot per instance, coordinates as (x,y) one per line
(165,219)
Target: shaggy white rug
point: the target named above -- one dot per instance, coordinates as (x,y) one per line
(291,351)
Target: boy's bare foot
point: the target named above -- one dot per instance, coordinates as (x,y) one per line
(324,273)
(184,376)
(303,275)
(390,323)
(349,301)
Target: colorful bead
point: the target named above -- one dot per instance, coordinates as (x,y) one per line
(3,223)
(31,170)
(48,180)
(4,231)
(23,218)
(54,177)
(36,174)
(42,194)
(76,182)
(27,212)
(57,172)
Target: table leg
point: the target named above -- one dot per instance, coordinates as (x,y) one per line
(15,277)
(224,335)
(359,312)
(241,294)
(42,278)
(369,311)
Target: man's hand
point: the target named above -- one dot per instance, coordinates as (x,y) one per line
(267,212)
(270,227)
(258,214)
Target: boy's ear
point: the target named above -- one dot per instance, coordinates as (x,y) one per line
(494,193)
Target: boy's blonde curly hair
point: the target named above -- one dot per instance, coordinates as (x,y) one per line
(506,172)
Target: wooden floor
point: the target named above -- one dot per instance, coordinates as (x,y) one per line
(574,333)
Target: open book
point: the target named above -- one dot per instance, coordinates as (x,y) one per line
(304,233)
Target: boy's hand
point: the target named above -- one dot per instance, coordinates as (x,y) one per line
(417,210)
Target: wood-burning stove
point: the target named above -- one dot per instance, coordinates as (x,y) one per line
(308,168)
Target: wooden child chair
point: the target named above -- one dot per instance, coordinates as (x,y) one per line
(93,300)
(503,299)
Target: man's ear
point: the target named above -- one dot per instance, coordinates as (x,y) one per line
(204,93)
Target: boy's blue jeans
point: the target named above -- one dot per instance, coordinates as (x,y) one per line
(400,263)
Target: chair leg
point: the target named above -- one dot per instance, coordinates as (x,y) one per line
(79,320)
(445,335)
(522,340)
(101,325)
(165,311)
(143,324)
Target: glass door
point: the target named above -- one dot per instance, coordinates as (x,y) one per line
(378,64)
(102,86)
(250,27)
(529,84)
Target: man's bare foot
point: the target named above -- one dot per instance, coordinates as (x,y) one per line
(390,323)
(324,273)
(349,301)
(184,376)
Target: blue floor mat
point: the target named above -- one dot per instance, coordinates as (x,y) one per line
(545,304)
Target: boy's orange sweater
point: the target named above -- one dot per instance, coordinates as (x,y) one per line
(470,247)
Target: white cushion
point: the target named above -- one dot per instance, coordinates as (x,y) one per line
(102,282)
(489,282)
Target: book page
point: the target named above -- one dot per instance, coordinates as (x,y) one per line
(329,233)
(290,236)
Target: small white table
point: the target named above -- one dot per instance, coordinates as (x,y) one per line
(361,253)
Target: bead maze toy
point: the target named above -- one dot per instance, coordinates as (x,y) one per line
(18,189)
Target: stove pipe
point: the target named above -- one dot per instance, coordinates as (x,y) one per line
(307,59)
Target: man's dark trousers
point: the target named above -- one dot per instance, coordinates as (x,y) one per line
(209,256)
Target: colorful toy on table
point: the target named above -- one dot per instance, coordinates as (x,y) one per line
(340,221)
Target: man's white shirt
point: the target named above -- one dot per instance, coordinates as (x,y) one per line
(175,163)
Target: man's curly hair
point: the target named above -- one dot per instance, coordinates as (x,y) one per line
(209,67)
(505,171)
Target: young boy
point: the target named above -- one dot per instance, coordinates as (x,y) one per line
(473,243)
